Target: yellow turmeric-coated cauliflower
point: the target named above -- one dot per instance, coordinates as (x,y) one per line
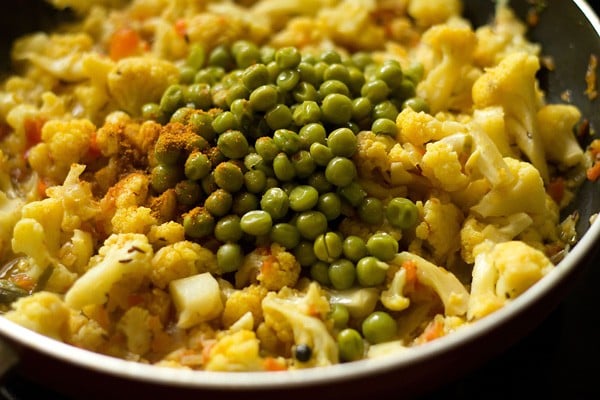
(42,312)
(176,261)
(240,302)
(432,12)
(557,123)
(273,267)
(238,351)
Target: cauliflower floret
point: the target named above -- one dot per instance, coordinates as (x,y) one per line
(502,273)
(63,144)
(393,297)
(139,328)
(132,219)
(241,302)
(419,128)
(10,212)
(449,73)
(556,123)
(136,81)
(85,332)
(197,299)
(238,351)
(524,193)
(441,164)
(439,326)
(274,268)
(122,256)
(42,312)
(371,156)
(176,261)
(450,290)
(299,316)
(512,85)
(166,233)
(432,12)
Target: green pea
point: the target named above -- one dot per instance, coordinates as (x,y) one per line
(283,168)
(264,97)
(164,177)
(353,193)
(319,182)
(209,75)
(256,222)
(401,213)
(171,99)
(320,67)
(219,202)
(267,54)
(379,327)
(311,224)
(321,153)
(337,72)
(371,211)
(319,271)
(361,59)
(340,171)
(406,90)
(229,176)
(233,144)
(167,152)
(330,205)
(287,79)
(416,103)
(304,165)
(208,183)
(303,198)
(354,248)
(312,133)
(305,254)
(201,123)
(186,74)
(330,56)
(273,70)
(391,73)
(221,57)
(336,108)
(152,111)
(287,57)
(266,147)
(244,202)
(230,257)
(357,80)
(383,246)
(342,274)
(198,223)
(275,201)
(305,91)
(328,247)
(255,181)
(188,192)
(181,115)
(384,126)
(414,72)
(255,76)
(350,345)
(285,234)
(342,142)
(333,86)
(376,91)
(370,271)
(306,113)
(385,109)
(228,229)
(308,73)
(361,108)
(279,117)
(287,140)
(340,316)
(245,53)
(198,94)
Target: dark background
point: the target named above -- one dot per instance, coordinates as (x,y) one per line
(558,359)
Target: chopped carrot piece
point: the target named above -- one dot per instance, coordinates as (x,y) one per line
(434,330)
(593,173)
(556,189)
(33,130)
(23,281)
(180,27)
(272,364)
(123,43)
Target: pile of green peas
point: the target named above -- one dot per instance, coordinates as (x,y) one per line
(272,160)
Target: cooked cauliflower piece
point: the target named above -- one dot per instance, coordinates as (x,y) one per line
(273,267)
(42,312)
(238,351)
(557,123)
(179,260)
(432,12)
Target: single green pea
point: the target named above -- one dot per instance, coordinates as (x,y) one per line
(228,229)
(376,91)
(305,254)
(279,117)
(391,73)
(256,222)
(340,315)
(361,59)
(304,165)
(337,72)
(370,271)
(361,108)
(171,99)
(414,72)
(219,202)
(303,198)
(319,271)
(245,53)
(201,123)
(229,176)
(287,80)
(406,90)
(220,56)
(181,115)
(283,167)
(267,54)
(342,142)
(336,108)
(384,126)
(401,213)
(275,201)
(340,171)
(196,56)
(164,177)
(255,76)
(198,223)
(233,144)
(209,75)
(152,111)
(357,80)
(266,147)
(208,183)
(186,74)
(371,211)
(354,248)
(188,192)
(321,153)
(330,205)
(416,103)
(333,86)
(255,180)
(342,274)
(244,202)
(350,345)
(237,91)
(225,121)
(319,182)
(230,257)
(379,327)
(264,97)
(312,133)
(353,194)
(288,57)
(306,113)
(285,234)
(311,224)
(385,109)
(308,73)
(198,94)
(320,67)
(167,152)
(383,246)
(273,70)
(330,56)
(287,140)
(328,247)
(305,91)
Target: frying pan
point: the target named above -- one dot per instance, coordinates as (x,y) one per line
(569,32)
